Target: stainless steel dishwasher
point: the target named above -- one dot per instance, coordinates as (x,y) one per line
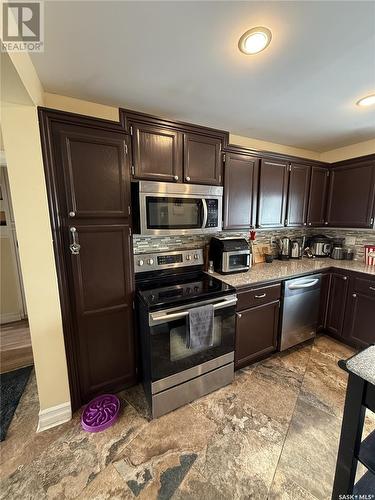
(301,299)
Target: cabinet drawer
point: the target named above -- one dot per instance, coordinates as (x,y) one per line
(258,296)
(364,286)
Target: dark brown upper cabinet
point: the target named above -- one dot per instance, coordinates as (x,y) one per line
(171,151)
(272,196)
(92,158)
(202,159)
(351,195)
(299,181)
(157,153)
(240,190)
(318,196)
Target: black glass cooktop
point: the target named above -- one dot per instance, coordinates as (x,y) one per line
(173,291)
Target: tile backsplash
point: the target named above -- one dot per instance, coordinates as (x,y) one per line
(149,244)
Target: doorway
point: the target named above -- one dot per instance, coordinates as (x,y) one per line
(15,341)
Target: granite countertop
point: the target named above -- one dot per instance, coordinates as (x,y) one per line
(363,364)
(280,270)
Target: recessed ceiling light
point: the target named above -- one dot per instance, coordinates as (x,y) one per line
(369,100)
(255,40)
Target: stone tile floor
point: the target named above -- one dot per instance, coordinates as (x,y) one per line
(272,434)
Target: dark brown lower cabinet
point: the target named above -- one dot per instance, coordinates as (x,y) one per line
(256,333)
(324,298)
(336,304)
(359,327)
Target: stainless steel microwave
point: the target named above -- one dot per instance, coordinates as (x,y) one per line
(162,208)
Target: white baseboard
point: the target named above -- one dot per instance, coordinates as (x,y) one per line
(10,317)
(56,415)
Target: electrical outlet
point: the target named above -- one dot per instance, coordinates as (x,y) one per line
(350,240)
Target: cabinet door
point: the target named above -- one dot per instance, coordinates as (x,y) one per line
(102,297)
(359,327)
(202,159)
(318,196)
(273,187)
(240,191)
(337,302)
(351,195)
(360,320)
(157,153)
(96,175)
(256,333)
(324,298)
(299,179)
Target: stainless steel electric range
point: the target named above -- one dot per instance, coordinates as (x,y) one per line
(168,286)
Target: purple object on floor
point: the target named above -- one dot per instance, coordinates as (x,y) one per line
(100,413)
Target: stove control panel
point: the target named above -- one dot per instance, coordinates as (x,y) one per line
(167,260)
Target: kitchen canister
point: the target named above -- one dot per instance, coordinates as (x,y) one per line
(370,255)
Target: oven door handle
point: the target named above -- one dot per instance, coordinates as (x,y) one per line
(205,212)
(157,318)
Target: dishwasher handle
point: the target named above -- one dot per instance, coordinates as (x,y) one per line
(308,284)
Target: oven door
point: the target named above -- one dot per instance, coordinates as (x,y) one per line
(165,214)
(169,352)
(236,261)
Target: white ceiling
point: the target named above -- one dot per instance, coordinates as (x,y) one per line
(180,60)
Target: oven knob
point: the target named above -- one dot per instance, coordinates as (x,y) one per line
(196,256)
(140,262)
(150,261)
(188,257)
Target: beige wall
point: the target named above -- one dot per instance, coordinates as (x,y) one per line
(20,131)
(248,142)
(347,152)
(73,105)
(27,185)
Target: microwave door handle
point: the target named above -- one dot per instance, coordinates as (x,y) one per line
(205,212)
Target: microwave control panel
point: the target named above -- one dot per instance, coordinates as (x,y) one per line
(212,213)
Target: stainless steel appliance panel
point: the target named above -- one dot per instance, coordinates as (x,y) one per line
(300,310)
(177,396)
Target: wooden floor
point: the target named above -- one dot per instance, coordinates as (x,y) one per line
(15,346)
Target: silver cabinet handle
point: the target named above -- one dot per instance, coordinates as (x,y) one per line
(310,223)
(187,178)
(239,315)
(75,246)
(261,296)
(372,288)
(72,214)
(354,295)
(175,177)
(344,277)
